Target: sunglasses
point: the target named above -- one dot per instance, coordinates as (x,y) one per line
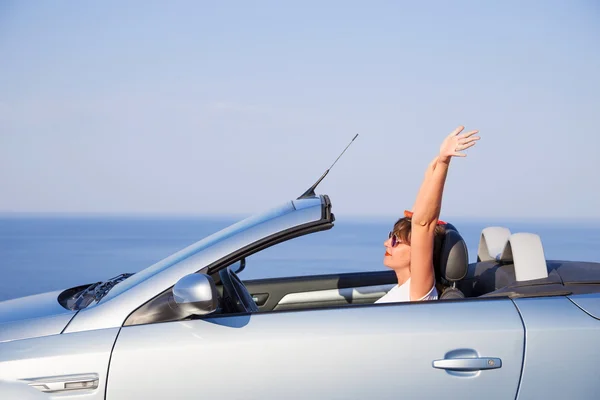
(394,237)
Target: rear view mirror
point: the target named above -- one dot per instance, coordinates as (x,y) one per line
(196,294)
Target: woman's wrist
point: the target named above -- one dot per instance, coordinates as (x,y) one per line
(444,159)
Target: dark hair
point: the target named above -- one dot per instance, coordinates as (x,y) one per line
(402,229)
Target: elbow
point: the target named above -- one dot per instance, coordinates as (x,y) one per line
(423,222)
(420,222)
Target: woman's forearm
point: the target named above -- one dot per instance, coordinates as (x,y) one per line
(426,181)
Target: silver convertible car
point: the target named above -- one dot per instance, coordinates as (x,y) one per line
(512,325)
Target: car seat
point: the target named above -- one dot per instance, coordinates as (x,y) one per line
(452,264)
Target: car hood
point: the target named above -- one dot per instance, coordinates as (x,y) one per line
(33,316)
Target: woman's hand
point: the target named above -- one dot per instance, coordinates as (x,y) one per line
(457,142)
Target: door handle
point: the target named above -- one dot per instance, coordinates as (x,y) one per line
(468,364)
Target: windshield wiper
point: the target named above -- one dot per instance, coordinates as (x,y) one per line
(97,291)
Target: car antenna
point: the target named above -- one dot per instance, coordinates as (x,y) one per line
(311,191)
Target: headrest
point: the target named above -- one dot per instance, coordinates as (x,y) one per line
(492,242)
(524,250)
(454,256)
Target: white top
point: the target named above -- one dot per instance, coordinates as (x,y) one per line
(402,293)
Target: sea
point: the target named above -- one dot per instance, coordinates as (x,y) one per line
(41,253)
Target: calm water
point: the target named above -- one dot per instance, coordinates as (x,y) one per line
(50,253)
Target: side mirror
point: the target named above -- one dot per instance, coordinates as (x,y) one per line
(196,294)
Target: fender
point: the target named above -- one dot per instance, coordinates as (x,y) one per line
(20,391)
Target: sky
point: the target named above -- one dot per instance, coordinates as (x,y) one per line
(219,108)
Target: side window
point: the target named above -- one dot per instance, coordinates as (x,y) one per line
(347,248)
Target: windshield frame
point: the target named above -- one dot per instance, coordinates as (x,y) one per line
(199,246)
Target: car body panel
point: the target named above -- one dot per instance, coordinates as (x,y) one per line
(12,390)
(562,347)
(133,292)
(53,357)
(590,303)
(34,328)
(375,351)
(33,316)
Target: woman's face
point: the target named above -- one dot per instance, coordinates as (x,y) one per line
(397,253)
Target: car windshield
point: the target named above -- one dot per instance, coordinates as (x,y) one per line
(203,244)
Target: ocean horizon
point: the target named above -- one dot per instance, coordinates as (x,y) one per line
(41,252)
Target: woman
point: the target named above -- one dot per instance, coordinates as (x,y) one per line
(410,245)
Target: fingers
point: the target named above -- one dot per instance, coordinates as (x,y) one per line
(463,141)
(468,140)
(465,146)
(469,134)
(460,141)
(458,130)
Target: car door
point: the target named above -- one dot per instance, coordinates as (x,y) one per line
(467,349)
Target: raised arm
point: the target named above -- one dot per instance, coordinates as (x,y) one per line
(426,211)
(426,179)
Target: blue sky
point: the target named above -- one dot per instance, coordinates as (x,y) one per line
(232,107)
